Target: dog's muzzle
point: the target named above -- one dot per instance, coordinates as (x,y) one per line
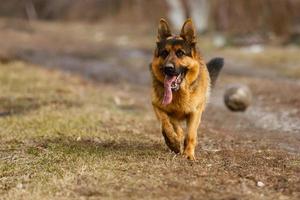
(169,70)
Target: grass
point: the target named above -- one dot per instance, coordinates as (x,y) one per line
(62,137)
(55,127)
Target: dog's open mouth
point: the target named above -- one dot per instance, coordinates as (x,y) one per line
(171,83)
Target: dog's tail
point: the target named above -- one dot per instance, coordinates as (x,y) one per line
(214,67)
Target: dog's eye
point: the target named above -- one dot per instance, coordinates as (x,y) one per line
(164,53)
(179,53)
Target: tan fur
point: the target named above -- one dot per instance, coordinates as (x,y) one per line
(188,102)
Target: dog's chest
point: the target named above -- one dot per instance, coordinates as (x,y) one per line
(183,103)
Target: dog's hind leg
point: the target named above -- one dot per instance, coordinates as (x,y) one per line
(173,141)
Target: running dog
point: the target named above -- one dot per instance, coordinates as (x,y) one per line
(181,83)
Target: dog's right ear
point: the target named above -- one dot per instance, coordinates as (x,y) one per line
(163,30)
(188,32)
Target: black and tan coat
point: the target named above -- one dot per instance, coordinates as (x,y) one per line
(180,86)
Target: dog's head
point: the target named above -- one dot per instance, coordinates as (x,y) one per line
(174,57)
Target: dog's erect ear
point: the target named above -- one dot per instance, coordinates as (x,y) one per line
(163,30)
(188,31)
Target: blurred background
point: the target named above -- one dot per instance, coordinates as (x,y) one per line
(111,42)
(261,18)
(75,112)
(110,31)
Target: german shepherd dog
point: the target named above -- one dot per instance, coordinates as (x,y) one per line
(181,83)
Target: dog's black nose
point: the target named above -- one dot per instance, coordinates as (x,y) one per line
(169,69)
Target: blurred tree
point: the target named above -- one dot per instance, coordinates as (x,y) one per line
(30,10)
(260,16)
(200,11)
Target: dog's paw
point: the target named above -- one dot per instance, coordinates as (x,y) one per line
(190,155)
(175,146)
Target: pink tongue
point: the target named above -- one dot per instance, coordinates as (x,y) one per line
(168,91)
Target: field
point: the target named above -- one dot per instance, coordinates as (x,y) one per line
(74,124)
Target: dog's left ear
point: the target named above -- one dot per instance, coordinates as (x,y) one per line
(188,32)
(163,30)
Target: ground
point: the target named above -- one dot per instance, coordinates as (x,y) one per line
(75,124)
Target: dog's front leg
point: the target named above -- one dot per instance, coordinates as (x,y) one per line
(190,141)
(179,132)
(169,131)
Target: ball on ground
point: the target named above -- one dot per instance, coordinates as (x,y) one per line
(237,97)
